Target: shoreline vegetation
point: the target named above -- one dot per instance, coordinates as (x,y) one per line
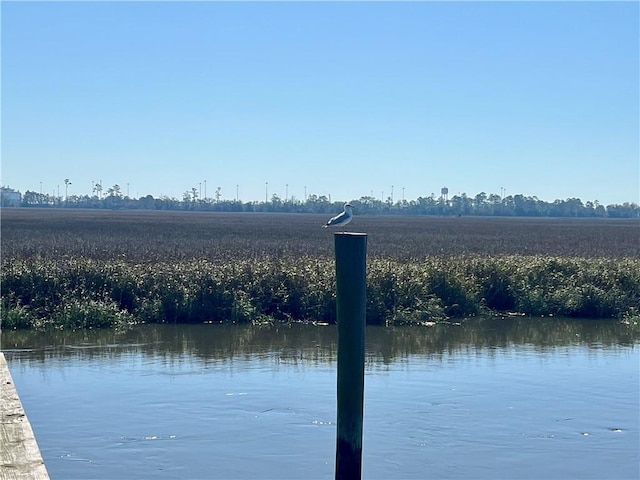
(88,269)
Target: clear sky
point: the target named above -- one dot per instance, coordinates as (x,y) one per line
(346,99)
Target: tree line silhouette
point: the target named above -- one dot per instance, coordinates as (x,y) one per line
(482,204)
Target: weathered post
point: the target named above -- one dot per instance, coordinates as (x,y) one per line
(351,253)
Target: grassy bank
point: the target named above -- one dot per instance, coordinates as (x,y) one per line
(80,293)
(82,270)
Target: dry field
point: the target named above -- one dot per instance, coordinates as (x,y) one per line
(158,235)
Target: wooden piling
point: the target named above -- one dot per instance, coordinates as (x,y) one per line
(20,457)
(350,252)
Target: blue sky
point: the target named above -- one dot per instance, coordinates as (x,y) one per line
(346,99)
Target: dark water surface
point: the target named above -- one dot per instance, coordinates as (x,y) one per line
(515,399)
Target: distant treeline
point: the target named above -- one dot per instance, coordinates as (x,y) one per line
(481,205)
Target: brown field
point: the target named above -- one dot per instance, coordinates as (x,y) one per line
(145,236)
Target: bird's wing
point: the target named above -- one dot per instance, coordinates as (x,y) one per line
(336,219)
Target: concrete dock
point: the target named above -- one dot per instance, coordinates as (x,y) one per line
(20,456)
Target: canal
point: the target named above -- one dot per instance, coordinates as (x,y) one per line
(488,398)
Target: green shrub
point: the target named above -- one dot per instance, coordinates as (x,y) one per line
(16,316)
(82,313)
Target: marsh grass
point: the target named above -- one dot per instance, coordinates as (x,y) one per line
(85,293)
(87,272)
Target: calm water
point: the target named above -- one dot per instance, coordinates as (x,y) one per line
(515,399)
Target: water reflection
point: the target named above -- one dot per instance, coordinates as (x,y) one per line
(528,398)
(317,344)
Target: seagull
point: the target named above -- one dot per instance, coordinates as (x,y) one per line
(342,219)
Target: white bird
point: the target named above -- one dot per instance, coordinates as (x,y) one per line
(342,219)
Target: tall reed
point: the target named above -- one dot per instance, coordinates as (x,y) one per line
(83,292)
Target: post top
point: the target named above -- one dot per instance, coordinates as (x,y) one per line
(355,234)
